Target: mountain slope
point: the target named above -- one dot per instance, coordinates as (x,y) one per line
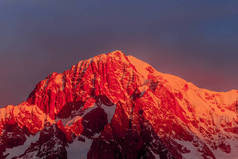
(117,106)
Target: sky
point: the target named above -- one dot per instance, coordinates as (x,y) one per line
(196,40)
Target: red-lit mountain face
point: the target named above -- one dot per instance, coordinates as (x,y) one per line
(114,106)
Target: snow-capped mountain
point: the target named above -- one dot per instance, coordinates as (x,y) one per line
(114,106)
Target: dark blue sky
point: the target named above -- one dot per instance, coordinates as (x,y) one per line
(196,40)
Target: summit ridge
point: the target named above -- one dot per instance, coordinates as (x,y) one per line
(118,107)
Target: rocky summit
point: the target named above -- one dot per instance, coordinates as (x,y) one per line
(114,106)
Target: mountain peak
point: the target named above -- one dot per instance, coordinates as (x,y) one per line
(117,106)
(113,74)
(101,74)
(116,53)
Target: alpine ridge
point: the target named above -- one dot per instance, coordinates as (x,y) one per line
(114,106)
